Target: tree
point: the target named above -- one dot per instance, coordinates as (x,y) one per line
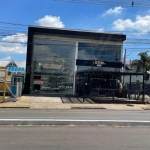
(143,63)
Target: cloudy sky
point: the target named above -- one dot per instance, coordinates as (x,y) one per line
(120,18)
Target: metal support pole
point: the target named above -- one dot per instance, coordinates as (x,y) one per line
(84,87)
(143,89)
(130,87)
(124,69)
(19,89)
(113,94)
(78,83)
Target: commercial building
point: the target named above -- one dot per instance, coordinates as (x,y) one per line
(54,56)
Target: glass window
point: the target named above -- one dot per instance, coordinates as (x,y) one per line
(54,62)
(16,79)
(101,52)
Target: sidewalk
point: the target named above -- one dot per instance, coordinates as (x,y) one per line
(59,103)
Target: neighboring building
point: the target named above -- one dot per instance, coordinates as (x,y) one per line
(2,77)
(11,69)
(55,55)
(135,78)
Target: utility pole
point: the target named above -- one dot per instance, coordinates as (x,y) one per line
(124,69)
(124,60)
(132,3)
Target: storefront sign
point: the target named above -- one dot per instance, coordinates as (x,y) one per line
(38,81)
(69,87)
(99,63)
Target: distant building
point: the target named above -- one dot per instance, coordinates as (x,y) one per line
(11,68)
(135,78)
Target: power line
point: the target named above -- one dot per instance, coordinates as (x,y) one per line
(127,42)
(128,3)
(138,42)
(25,43)
(6,32)
(24,34)
(6,41)
(14,25)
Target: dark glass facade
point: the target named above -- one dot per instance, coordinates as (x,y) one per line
(52,53)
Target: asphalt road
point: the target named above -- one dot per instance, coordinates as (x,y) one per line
(73,138)
(79,114)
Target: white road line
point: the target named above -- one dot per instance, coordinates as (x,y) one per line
(65,120)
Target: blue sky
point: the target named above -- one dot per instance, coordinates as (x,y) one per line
(132,21)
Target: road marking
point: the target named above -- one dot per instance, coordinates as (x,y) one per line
(74,120)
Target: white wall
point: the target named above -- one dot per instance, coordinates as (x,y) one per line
(133,78)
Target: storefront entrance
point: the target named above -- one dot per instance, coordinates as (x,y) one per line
(99,83)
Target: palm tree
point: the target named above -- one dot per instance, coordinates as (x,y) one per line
(143,63)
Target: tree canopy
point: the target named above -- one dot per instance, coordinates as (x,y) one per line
(142,64)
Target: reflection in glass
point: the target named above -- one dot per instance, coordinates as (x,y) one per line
(101,52)
(53,63)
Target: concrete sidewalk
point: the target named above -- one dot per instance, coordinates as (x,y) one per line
(58,103)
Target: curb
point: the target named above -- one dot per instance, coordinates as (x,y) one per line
(75,122)
(87,108)
(14,106)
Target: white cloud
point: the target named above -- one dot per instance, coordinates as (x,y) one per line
(21,63)
(116,10)
(83,53)
(14,44)
(6,58)
(51,21)
(141,24)
(100,30)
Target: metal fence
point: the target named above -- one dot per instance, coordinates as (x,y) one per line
(129,92)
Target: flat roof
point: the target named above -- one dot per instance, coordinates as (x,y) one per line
(85,34)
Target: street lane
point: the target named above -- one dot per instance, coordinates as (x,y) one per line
(79,114)
(73,138)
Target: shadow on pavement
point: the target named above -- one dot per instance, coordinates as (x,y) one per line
(76,100)
(99,100)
